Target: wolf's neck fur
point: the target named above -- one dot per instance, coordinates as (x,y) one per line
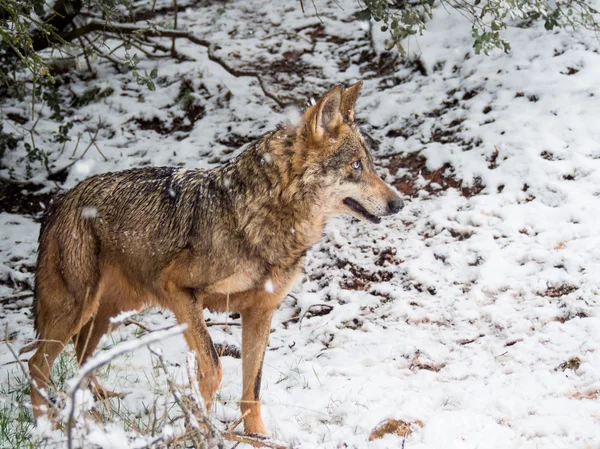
(275,209)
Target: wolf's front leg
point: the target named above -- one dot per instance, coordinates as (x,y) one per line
(187,309)
(256,324)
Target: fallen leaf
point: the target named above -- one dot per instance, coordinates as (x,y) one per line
(394,427)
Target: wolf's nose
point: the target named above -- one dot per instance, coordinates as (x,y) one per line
(395,206)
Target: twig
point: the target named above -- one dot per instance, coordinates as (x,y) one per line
(97,147)
(87,340)
(85,55)
(12,362)
(173,51)
(138,324)
(89,145)
(294,297)
(192,370)
(198,437)
(30,347)
(326,306)
(317,12)
(7,299)
(28,340)
(253,441)
(221,323)
(190,420)
(155,45)
(238,421)
(101,54)
(139,44)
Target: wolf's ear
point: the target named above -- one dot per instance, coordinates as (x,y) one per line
(327,116)
(349,99)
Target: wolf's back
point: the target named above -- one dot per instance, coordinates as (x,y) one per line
(102,214)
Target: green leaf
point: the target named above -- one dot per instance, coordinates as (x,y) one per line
(38,7)
(365,14)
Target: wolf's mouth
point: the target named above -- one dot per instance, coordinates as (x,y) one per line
(357,207)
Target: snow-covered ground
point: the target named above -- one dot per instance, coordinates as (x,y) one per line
(475,311)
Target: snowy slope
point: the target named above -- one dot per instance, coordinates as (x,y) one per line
(463,311)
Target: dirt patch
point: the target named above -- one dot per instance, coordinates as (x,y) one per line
(373,65)
(570,316)
(443,133)
(387,256)
(23,199)
(235,141)
(157,125)
(460,235)
(290,69)
(17,118)
(361,278)
(416,164)
(225,349)
(409,127)
(191,99)
(558,291)
(436,181)
(418,364)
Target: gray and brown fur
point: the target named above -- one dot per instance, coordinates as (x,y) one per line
(186,240)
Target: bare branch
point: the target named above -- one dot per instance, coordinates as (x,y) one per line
(124,28)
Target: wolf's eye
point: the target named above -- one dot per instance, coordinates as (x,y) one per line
(357,165)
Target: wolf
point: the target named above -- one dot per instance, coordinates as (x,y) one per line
(233,239)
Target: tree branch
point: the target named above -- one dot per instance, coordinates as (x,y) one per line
(121,28)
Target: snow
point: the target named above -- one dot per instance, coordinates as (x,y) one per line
(269,287)
(459,311)
(89,212)
(123,316)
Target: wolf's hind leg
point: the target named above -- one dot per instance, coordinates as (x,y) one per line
(256,325)
(117,295)
(52,342)
(56,325)
(86,342)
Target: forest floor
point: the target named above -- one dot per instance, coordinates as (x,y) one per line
(472,315)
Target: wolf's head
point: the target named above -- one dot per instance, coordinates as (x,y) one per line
(335,159)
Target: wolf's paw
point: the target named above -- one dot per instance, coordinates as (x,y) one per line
(255,427)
